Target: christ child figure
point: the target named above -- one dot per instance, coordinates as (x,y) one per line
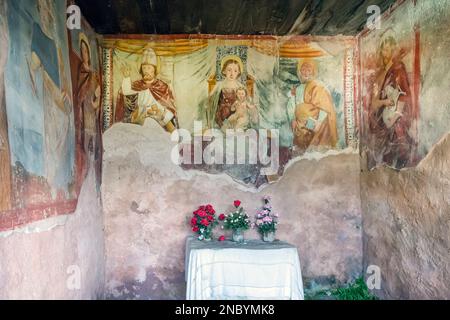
(245,114)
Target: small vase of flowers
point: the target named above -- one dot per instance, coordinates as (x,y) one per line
(266,221)
(204,221)
(238,221)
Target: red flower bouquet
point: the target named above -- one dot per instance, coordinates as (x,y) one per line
(204,221)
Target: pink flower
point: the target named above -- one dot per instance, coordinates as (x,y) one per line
(204,222)
(222,238)
(267,219)
(237,203)
(222,217)
(195,229)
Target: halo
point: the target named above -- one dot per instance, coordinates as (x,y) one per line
(310,61)
(386,34)
(83,37)
(232,57)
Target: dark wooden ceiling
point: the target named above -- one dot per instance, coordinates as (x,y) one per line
(253,17)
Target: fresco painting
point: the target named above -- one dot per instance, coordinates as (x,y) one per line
(5,159)
(230,105)
(146,97)
(37,129)
(54,109)
(46,128)
(311,110)
(390,66)
(86,84)
(39,105)
(237,83)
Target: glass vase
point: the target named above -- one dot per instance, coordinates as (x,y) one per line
(238,235)
(269,236)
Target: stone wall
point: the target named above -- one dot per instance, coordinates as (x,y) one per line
(406,223)
(43,259)
(148,201)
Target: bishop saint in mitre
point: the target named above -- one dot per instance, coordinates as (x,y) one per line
(147,97)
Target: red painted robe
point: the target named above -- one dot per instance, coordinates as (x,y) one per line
(226,100)
(395,143)
(89,134)
(160,91)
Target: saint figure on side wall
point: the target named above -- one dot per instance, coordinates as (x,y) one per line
(88,96)
(391,112)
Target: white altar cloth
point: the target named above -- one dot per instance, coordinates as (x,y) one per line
(253,270)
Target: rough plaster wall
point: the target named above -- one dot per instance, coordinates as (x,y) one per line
(34,260)
(406,223)
(147,200)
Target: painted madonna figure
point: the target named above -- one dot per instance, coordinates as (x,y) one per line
(224,95)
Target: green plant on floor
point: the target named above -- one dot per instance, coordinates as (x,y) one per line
(355,291)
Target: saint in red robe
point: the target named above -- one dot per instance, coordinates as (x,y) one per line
(394,144)
(158,88)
